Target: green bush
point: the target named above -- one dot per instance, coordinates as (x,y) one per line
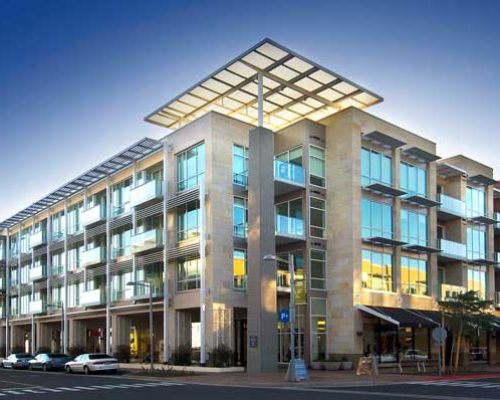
(75,351)
(222,356)
(182,355)
(122,353)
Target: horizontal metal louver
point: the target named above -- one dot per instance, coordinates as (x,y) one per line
(40,251)
(184,251)
(97,230)
(121,221)
(25,257)
(149,258)
(183,197)
(155,209)
(98,271)
(54,246)
(75,238)
(123,267)
(75,277)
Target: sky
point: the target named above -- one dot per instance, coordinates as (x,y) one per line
(78,77)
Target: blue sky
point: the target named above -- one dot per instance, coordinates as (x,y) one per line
(78,77)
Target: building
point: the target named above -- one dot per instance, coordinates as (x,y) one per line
(271,155)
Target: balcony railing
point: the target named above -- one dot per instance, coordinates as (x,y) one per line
(496,216)
(241,179)
(240,230)
(93,215)
(37,273)
(94,256)
(289,226)
(497,299)
(124,294)
(146,192)
(451,205)
(92,298)
(57,270)
(36,307)
(451,291)
(453,249)
(147,240)
(283,279)
(38,238)
(121,251)
(288,172)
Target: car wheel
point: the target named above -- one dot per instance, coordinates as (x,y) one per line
(44,367)
(68,369)
(86,370)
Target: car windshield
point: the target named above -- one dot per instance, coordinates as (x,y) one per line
(23,355)
(98,356)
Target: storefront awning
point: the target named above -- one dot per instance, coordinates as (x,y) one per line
(402,316)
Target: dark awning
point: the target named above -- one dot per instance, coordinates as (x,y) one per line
(404,316)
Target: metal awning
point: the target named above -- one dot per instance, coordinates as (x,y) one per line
(384,189)
(420,248)
(419,154)
(294,88)
(402,316)
(384,241)
(383,140)
(421,200)
(448,171)
(484,219)
(109,167)
(481,179)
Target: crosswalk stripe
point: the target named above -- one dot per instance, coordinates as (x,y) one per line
(13,392)
(85,388)
(33,391)
(68,388)
(52,390)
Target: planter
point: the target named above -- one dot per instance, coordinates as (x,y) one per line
(332,365)
(346,365)
(317,365)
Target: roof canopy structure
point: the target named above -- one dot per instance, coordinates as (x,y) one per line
(109,167)
(294,88)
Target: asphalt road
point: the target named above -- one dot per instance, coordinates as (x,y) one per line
(53,385)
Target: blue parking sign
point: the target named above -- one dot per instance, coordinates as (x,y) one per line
(284,315)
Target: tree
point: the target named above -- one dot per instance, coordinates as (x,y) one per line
(467,314)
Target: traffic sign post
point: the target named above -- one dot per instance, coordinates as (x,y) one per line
(439,335)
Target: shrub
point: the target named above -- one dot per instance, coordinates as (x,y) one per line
(122,353)
(43,349)
(75,351)
(182,355)
(222,356)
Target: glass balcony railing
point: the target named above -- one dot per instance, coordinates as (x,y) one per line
(94,256)
(240,179)
(57,235)
(93,215)
(123,294)
(147,240)
(57,270)
(92,298)
(36,307)
(38,238)
(240,230)
(452,205)
(283,279)
(146,192)
(289,226)
(143,291)
(121,251)
(451,291)
(453,249)
(288,172)
(37,273)
(240,281)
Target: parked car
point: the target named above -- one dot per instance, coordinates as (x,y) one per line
(17,360)
(46,361)
(93,362)
(415,355)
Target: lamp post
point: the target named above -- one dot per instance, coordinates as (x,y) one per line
(149,286)
(291,306)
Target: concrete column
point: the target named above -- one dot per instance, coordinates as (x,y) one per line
(121,330)
(262,307)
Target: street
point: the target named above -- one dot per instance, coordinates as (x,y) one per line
(54,385)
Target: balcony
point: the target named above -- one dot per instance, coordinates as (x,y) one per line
(57,270)
(241,179)
(38,238)
(92,257)
(451,291)
(37,273)
(91,298)
(146,193)
(452,251)
(450,207)
(497,299)
(288,177)
(283,281)
(93,215)
(481,217)
(496,216)
(36,307)
(148,240)
(117,252)
(240,230)
(121,295)
(288,229)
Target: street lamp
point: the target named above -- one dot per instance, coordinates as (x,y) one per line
(291,270)
(150,287)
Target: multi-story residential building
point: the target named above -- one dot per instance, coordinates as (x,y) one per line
(270,158)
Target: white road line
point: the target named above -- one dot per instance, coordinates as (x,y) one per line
(33,391)
(68,388)
(84,388)
(12,392)
(52,390)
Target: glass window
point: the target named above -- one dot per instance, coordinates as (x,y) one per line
(188,274)
(74,213)
(58,226)
(376,219)
(239,269)
(288,166)
(318,269)
(240,165)
(289,218)
(121,242)
(318,328)
(375,167)
(318,216)
(120,197)
(316,166)
(240,217)
(477,280)
(476,243)
(190,167)
(475,202)
(413,276)
(413,228)
(187,220)
(413,179)
(376,271)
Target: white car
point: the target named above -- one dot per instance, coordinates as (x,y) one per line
(92,362)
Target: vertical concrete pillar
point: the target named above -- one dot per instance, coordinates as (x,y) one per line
(262,307)
(121,330)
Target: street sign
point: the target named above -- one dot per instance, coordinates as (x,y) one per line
(254,341)
(439,335)
(284,315)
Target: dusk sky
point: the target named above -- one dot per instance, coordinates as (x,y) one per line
(78,77)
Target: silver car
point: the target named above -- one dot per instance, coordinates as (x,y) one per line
(93,362)
(17,360)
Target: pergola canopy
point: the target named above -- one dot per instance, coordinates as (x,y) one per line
(294,88)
